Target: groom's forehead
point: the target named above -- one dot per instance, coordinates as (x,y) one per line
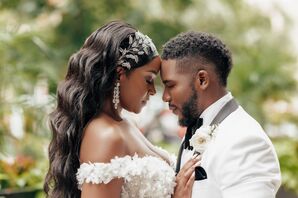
(168,68)
(169,72)
(174,67)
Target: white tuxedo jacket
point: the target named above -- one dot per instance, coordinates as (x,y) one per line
(240,161)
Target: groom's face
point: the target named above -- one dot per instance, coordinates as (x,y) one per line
(179,92)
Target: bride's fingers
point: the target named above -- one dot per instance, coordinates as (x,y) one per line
(191,181)
(191,162)
(189,172)
(185,175)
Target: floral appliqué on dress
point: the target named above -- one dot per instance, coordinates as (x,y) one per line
(148,176)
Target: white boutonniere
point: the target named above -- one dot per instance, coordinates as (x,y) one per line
(201,138)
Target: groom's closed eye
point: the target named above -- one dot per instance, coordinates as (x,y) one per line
(169,84)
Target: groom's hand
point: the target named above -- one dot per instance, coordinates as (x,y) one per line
(186,177)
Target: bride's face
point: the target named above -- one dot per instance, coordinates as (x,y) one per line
(137,87)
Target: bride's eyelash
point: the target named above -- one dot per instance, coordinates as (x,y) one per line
(149,81)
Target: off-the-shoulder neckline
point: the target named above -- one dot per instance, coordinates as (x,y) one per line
(131,157)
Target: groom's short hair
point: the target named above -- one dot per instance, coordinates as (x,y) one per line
(192,49)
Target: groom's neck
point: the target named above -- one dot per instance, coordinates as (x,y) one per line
(213,95)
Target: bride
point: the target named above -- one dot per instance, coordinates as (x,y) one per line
(96,152)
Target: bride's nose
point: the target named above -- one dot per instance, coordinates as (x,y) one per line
(152,90)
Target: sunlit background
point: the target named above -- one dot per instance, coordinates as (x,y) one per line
(38,36)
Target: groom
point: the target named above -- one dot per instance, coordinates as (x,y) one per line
(239,161)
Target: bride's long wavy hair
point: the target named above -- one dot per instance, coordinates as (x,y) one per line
(89,81)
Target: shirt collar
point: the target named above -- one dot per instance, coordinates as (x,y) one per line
(209,114)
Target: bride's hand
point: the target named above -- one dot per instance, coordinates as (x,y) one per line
(186,177)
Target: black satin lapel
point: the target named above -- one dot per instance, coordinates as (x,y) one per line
(178,164)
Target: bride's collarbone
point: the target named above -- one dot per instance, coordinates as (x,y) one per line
(129,131)
(134,142)
(135,145)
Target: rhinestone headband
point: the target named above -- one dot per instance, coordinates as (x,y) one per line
(139,45)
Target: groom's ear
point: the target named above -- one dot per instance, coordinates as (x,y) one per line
(202,80)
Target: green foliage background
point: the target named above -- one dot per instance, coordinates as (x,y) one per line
(38,36)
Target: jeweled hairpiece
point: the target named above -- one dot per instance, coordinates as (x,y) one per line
(138,45)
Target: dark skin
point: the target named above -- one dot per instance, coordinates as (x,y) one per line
(177,88)
(186,178)
(109,135)
(177,92)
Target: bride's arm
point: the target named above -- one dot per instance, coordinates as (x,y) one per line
(101,144)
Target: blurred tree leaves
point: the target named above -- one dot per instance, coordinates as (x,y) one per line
(287,151)
(38,36)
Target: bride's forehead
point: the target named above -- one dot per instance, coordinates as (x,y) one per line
(153,66)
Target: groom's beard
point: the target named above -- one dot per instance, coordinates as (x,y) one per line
(190,112)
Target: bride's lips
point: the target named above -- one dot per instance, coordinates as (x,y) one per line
(144,102)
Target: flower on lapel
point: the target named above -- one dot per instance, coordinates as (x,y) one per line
(201,138)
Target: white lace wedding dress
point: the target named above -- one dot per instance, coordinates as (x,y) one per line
(144,177)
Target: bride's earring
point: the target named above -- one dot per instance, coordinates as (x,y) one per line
(116,95)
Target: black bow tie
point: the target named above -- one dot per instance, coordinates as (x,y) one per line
(190,131)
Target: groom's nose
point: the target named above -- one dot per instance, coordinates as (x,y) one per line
(166,96)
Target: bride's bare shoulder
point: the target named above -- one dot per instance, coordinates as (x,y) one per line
(102,141)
